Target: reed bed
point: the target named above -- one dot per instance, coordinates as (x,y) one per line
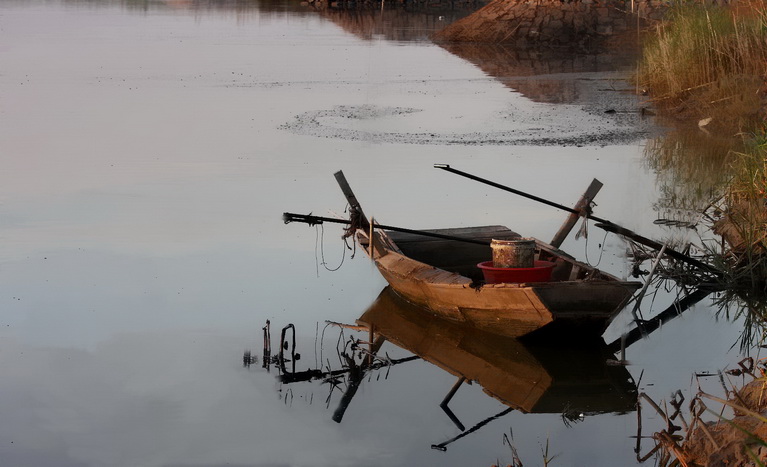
(744,225)
(708,61)
(743,228)
(705,66)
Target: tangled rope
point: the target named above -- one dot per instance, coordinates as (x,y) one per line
(355,222)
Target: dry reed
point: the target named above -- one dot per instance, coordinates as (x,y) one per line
(708,61)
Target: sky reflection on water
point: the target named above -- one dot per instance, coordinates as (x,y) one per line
(142,250)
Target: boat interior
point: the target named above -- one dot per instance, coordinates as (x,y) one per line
(462,257)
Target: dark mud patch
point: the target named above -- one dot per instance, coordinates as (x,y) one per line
(540,126)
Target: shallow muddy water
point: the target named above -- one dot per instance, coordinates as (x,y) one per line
(148,152)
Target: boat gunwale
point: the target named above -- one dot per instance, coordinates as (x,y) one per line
(390,247)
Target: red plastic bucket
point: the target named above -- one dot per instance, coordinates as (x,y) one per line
(540,273)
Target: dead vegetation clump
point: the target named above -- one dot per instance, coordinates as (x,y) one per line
(738,440)
(754,396)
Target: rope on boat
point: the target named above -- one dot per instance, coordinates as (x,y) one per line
(584,227)
(321,240)
(355,222)
(585,213)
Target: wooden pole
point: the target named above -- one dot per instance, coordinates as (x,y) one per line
(289,217)
(375,247)
(350,198)
(582,207)
(602,223)
(616,229)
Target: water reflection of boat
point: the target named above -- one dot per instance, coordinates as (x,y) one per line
(527,377)
(523,376)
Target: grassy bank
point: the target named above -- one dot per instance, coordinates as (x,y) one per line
(708,61)
(704,68)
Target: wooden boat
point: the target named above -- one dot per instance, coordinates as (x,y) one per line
(442,275)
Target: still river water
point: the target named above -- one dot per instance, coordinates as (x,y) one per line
(148,150)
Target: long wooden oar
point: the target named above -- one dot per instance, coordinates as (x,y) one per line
(602,223)
(447,168)
(289,217)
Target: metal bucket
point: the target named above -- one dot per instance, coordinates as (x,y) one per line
(517,253)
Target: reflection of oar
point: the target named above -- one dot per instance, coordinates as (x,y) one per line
(602,223)
(289,217)
(644,328)
(355,378)
(443,446)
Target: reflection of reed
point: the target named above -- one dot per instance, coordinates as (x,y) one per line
(692,169)
(699,177)
(743,227)
(750,305)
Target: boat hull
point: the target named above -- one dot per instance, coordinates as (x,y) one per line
(510,309)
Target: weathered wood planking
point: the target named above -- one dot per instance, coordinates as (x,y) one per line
(442,275)
(451,255)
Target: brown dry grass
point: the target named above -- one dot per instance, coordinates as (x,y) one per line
(709,61)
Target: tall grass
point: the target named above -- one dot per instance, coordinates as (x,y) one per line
(706,57)
(711,61)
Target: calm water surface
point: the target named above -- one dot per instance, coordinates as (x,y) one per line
(148,151)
